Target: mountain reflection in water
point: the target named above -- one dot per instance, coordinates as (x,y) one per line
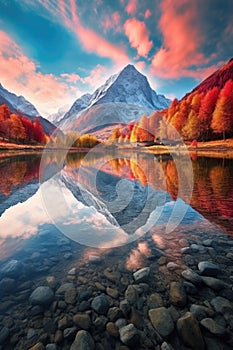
(94,209)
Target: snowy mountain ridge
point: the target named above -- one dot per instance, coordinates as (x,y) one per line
(129,86)
(19,103)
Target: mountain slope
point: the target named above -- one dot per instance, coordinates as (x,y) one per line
(19,103)
(21,106)
(124,97)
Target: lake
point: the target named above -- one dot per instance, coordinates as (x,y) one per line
(82,223)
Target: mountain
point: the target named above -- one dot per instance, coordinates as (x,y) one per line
(19,105)
(217,79)
(124,97)
(57,116)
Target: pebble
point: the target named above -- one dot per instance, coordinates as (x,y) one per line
(221,305)
(100,304)
(112,329)
(83,341)
(162,321)
(131,294)
(208,268)
(213,327)
(177,294)
(42,295)
(213,283)
(192,277)
(129,335)
(82,321)
(171,266)
(189,331)
(141,275)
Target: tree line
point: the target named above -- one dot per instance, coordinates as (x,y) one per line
(201,115)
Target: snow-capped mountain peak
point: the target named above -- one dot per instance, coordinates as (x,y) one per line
(128,86)
(19,103)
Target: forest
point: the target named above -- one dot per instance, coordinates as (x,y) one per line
(18,128)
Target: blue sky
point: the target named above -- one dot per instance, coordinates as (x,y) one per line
(54,51)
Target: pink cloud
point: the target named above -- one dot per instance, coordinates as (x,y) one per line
(19,74)
(140,65)
(138,36)
(90,40)
(147,14)
(112,22)
(131,8)
(182,39)
(71,78)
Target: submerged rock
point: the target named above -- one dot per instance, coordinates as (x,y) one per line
(177,294)
(161,321)
(129,335)
(141,275)
(100,304)
(189,331)
(208,268)
(83,341)
(42,295)
(213,327)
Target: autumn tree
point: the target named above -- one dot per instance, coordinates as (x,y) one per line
(17,129)
(191,129)
(207,107)
(222,121)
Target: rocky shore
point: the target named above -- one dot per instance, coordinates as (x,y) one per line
(163,292)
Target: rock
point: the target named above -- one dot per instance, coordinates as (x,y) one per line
(213,327)
(161,321)
(83,341)
(166,346)
(100,304)
(31,333)
(207,242)
(131,294)
(121,322)
(112,275)
(12,268)
(177,295)
(83,321)
(208,268)
(114,313)
(192,277)
(69,333)
(7,285)
(42,295)
(72,272)
(58,337)
(70,296)
(64,322)
(37,346)
(112,292)
(100,323)
(129,335)
(183,242)
(171,266)
(213,283)
(4,334)
(112,329)
(189,331)
(200,311)
(51,347)
(141,275)
(221,305)
(64,287)
(198,248)
(154,300)
(190,288)
(136,318)
(125,307)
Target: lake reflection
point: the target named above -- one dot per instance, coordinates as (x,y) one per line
(124,203)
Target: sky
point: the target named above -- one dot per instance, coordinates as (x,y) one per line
(53,51)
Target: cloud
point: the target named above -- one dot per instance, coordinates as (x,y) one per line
(20,74)
(138,36)
(147,14)
(112,22)
(132,6)
(182,40)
